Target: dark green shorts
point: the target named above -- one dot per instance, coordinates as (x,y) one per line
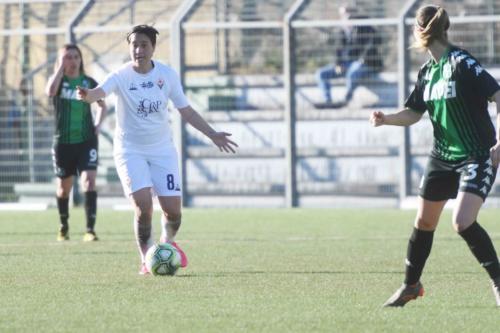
(69,158)
(443,179)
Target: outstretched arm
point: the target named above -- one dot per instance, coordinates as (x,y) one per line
(220,139)
(404,117)
(89,95)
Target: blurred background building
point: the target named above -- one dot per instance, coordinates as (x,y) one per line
(249,67)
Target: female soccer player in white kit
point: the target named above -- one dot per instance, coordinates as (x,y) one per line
(144,153)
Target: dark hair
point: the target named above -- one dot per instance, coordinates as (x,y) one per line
(146,30)
(74,47)
(432,23)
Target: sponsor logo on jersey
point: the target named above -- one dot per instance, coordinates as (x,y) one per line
(68,93)
(147,85)
(147,107)
(160,83)
(443,89)
(132,86)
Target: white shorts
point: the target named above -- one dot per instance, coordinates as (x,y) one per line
(158,170)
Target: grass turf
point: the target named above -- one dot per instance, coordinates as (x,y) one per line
(250,271)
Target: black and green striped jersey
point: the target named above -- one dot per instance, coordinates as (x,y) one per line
(74,122)
(455,92)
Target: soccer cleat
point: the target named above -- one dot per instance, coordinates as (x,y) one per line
(62,235)
(184,259)
(405,294)
(496,289)
(90,236)
(143,270)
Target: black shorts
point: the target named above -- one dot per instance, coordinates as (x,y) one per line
(443,179)
(70,158)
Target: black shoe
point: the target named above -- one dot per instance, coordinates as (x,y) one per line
(90,236)
(405,294)
(63,234)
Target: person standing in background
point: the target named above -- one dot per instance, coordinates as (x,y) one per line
(75,145)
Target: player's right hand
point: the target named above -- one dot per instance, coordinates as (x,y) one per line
(62,60)
(377,118)
(81,93)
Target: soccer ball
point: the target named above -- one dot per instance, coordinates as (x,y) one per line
(163,259)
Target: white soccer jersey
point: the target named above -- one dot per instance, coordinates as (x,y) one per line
(141,105)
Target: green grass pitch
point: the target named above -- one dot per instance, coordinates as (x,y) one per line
(271,270)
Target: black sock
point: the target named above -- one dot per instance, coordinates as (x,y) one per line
(481,246)
(419,248)
(62,206)
(90,209)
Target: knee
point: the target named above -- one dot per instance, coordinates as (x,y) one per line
(324,74)
(88,184)
(460,224)
(319,75)
(144,214)
(174,217)
(61,192)
(423,224)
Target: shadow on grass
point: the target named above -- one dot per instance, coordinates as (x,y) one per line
(325,272)
(73,253)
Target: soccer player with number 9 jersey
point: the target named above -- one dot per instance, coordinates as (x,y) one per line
(75,139)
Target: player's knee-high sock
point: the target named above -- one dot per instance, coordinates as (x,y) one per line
(62,207)
(481,246)
(169,228)
(419,248)
(143,236)
(90,209)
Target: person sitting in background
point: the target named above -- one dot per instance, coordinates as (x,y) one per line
(357,59)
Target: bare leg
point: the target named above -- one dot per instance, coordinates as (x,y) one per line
(171,222)
(143,205)
(170,218)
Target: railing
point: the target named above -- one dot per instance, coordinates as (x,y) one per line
(253,75)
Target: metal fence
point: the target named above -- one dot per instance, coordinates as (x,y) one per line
(249,67)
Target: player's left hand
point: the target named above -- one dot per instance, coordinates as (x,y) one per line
(495,154)
(221,140)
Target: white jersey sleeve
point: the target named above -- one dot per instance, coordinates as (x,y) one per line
(176,92)
(109,84)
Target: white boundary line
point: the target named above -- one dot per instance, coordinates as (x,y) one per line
(23,206)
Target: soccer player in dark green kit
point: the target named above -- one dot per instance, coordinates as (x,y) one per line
(75,138)
(454,89)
